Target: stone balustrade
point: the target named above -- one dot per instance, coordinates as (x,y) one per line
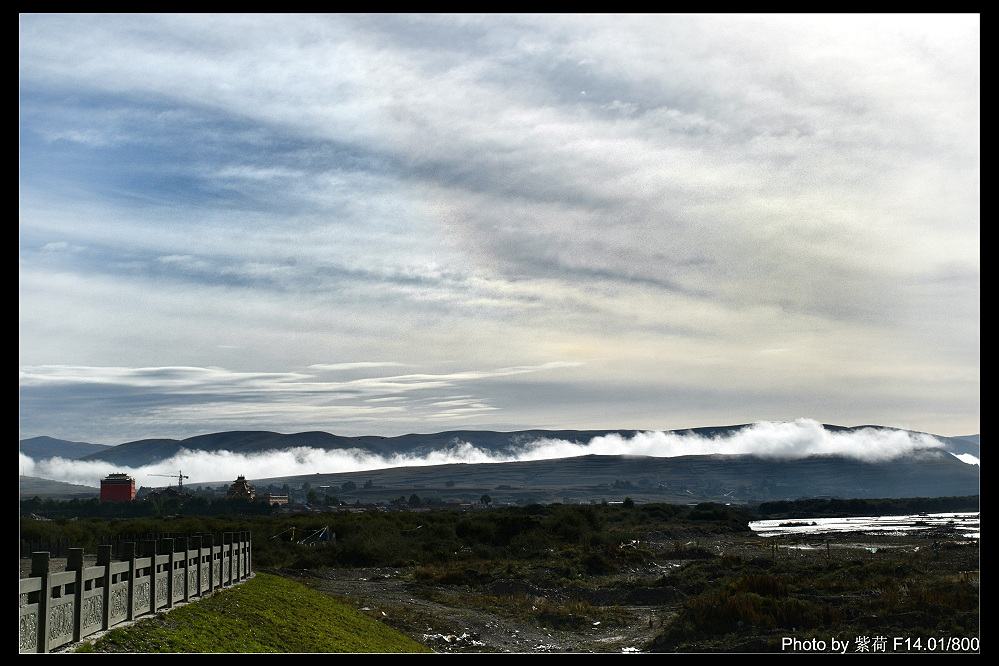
(62,607)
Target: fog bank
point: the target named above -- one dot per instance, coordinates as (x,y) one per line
(785,441)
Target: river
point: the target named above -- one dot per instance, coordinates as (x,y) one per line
(966,524)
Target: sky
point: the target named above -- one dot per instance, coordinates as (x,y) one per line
(385,224)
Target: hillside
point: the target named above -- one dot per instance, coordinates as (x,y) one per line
(49,447)
(723,478)
(265,614)
(682,479)
(31,486)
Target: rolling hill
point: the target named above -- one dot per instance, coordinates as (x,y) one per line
(719,478)
(737,478)
(49,447)
(148,451)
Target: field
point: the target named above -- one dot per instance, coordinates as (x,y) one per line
(688,593)
(611,579)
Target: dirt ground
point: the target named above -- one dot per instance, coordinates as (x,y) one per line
(637,614)
(385,594)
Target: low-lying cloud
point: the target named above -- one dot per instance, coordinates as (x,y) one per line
(792,440)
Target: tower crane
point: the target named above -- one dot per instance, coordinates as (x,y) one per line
(180,479)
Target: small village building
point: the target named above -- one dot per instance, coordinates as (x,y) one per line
(118,487)
(275,500)
(241,488)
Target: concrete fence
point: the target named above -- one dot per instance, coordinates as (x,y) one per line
(62,607)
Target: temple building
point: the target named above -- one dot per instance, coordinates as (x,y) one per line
(118,487)
(241,488)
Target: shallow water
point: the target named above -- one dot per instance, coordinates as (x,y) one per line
(966,524)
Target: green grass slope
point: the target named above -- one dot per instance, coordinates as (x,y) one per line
(265,614)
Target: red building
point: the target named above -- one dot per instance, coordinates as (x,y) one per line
(118,487)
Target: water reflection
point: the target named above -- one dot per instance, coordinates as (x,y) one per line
(966,525)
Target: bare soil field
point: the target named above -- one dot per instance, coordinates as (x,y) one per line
(629,615)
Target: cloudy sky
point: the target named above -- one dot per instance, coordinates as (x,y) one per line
(381,224)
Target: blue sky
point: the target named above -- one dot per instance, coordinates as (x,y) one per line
(381,224)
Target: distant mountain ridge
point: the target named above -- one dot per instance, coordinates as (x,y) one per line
(49,447)
(149,451)
(584,478)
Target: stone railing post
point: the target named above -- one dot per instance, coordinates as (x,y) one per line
(128,555)
(104,560)
(74,562)
(227,558)
(166,548)
(209,542)
(244,555)
(182,548)
(237,555)
(198,566)
(149,550)
(40,569)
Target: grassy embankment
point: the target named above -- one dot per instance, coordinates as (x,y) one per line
(265,614)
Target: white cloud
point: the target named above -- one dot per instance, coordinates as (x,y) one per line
(786,441)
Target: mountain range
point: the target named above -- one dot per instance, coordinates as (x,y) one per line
(584,478)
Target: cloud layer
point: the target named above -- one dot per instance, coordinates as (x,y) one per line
(678,220)
(799,439)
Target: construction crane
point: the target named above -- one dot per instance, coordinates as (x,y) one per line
(180,479)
